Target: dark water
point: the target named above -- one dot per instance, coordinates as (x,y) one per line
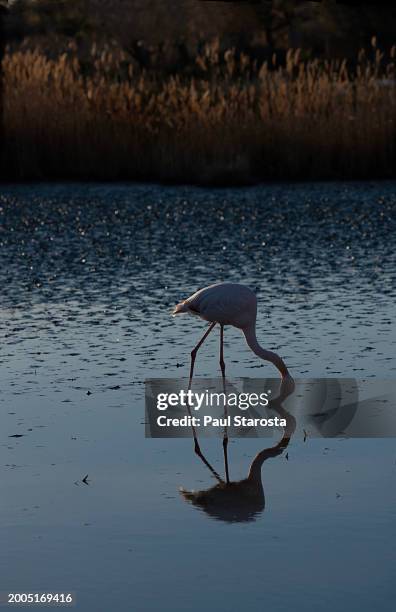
(88,276)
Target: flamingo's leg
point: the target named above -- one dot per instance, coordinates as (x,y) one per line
(206,462)
(222,364)
(225,436)
(195,351)
(196,443)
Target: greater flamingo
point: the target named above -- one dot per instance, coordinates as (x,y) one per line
(226,304)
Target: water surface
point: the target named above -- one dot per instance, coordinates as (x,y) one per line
(89,275)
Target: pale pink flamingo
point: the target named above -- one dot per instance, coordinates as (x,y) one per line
(227,304)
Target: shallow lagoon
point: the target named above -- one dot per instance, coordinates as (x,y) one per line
(89,275)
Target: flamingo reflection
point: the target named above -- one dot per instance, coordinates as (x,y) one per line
(244,500)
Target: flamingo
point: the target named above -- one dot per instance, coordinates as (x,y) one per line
(226,304)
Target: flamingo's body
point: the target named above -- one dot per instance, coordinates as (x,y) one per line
(223,303)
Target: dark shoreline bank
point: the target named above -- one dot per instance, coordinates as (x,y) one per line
(215,183)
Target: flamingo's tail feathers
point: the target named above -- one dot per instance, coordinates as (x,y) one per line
(180,308)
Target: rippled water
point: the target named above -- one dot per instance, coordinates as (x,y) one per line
(88,276)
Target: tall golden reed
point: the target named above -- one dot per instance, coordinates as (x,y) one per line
(107,118)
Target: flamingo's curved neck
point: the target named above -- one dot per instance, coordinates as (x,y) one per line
(257,463)
(251,339)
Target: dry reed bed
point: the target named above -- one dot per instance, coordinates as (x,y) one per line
(234,122)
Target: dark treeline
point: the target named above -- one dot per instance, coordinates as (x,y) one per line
(206,92)
(167,35)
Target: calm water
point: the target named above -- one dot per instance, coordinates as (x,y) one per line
(88,277)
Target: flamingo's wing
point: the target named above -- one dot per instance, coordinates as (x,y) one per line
(225,303)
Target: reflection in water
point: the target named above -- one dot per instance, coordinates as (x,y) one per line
(244,500)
